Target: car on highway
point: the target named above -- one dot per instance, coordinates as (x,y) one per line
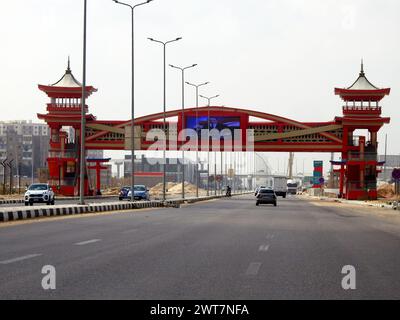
(258,189)
(140,193)
(123,193)
(39,193)
(266,196)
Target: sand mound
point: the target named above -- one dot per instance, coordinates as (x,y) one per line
(173,188)
(386,191)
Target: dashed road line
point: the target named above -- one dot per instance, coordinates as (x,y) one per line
(270,236)
(87,242)
(29,256)
(253,269)
(263,247)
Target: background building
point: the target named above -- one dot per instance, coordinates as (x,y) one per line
(392,162)
(27,144)
(148,171)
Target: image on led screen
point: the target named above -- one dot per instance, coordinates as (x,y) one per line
(219,123)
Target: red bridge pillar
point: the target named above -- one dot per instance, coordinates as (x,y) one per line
(359,163)
(64,110)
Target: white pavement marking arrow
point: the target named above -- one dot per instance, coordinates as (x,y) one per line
(253,269)
(263,247)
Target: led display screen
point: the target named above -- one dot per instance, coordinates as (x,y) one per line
(219,123)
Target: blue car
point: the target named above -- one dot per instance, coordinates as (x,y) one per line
(140,193)
(123,193)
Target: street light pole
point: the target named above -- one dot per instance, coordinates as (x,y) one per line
(265,163)
(11,174)
(33,170)
(197,86)
(83,116)
(208,141)
(4,165)
(222,172)
(132,8)
(183,121)
(164,44)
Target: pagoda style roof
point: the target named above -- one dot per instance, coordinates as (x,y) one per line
(68,80)
(66,87)
(362,90)
(362,83)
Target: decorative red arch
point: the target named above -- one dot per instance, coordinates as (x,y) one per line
(358,168)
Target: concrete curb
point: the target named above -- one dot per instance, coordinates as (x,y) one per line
(14,201)
(11,201)
(18,214)
(10,214)
(393,206)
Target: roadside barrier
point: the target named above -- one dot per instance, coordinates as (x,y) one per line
(12,214)
(16,201)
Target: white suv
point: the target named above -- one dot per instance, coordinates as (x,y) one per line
(39,193)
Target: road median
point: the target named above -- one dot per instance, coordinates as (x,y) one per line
(23,213)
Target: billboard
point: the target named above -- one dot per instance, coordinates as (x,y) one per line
(219,123)
(318,179)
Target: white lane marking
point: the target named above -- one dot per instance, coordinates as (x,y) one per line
(87,242)
(253,269)
(270,236)
(29,256)
(263,247)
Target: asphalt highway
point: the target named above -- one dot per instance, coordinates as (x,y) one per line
(221,249)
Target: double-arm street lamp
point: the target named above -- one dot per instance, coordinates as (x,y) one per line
(164,44)
(208,137)
(132,8)
(197,86)
(183,121)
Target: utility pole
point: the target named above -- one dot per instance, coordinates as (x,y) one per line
(222,172)
(132,9)
(197,86)
(19,177)
(164,44)
(11,174)
(290,165)
(384,166)
(82,165)
(4,165)
(183,120)
(208,138)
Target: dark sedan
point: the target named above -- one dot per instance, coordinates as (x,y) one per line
(266,196)
(123,193)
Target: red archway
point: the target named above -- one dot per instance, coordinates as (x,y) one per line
(358,168)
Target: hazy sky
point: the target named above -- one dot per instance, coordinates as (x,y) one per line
(278,56)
